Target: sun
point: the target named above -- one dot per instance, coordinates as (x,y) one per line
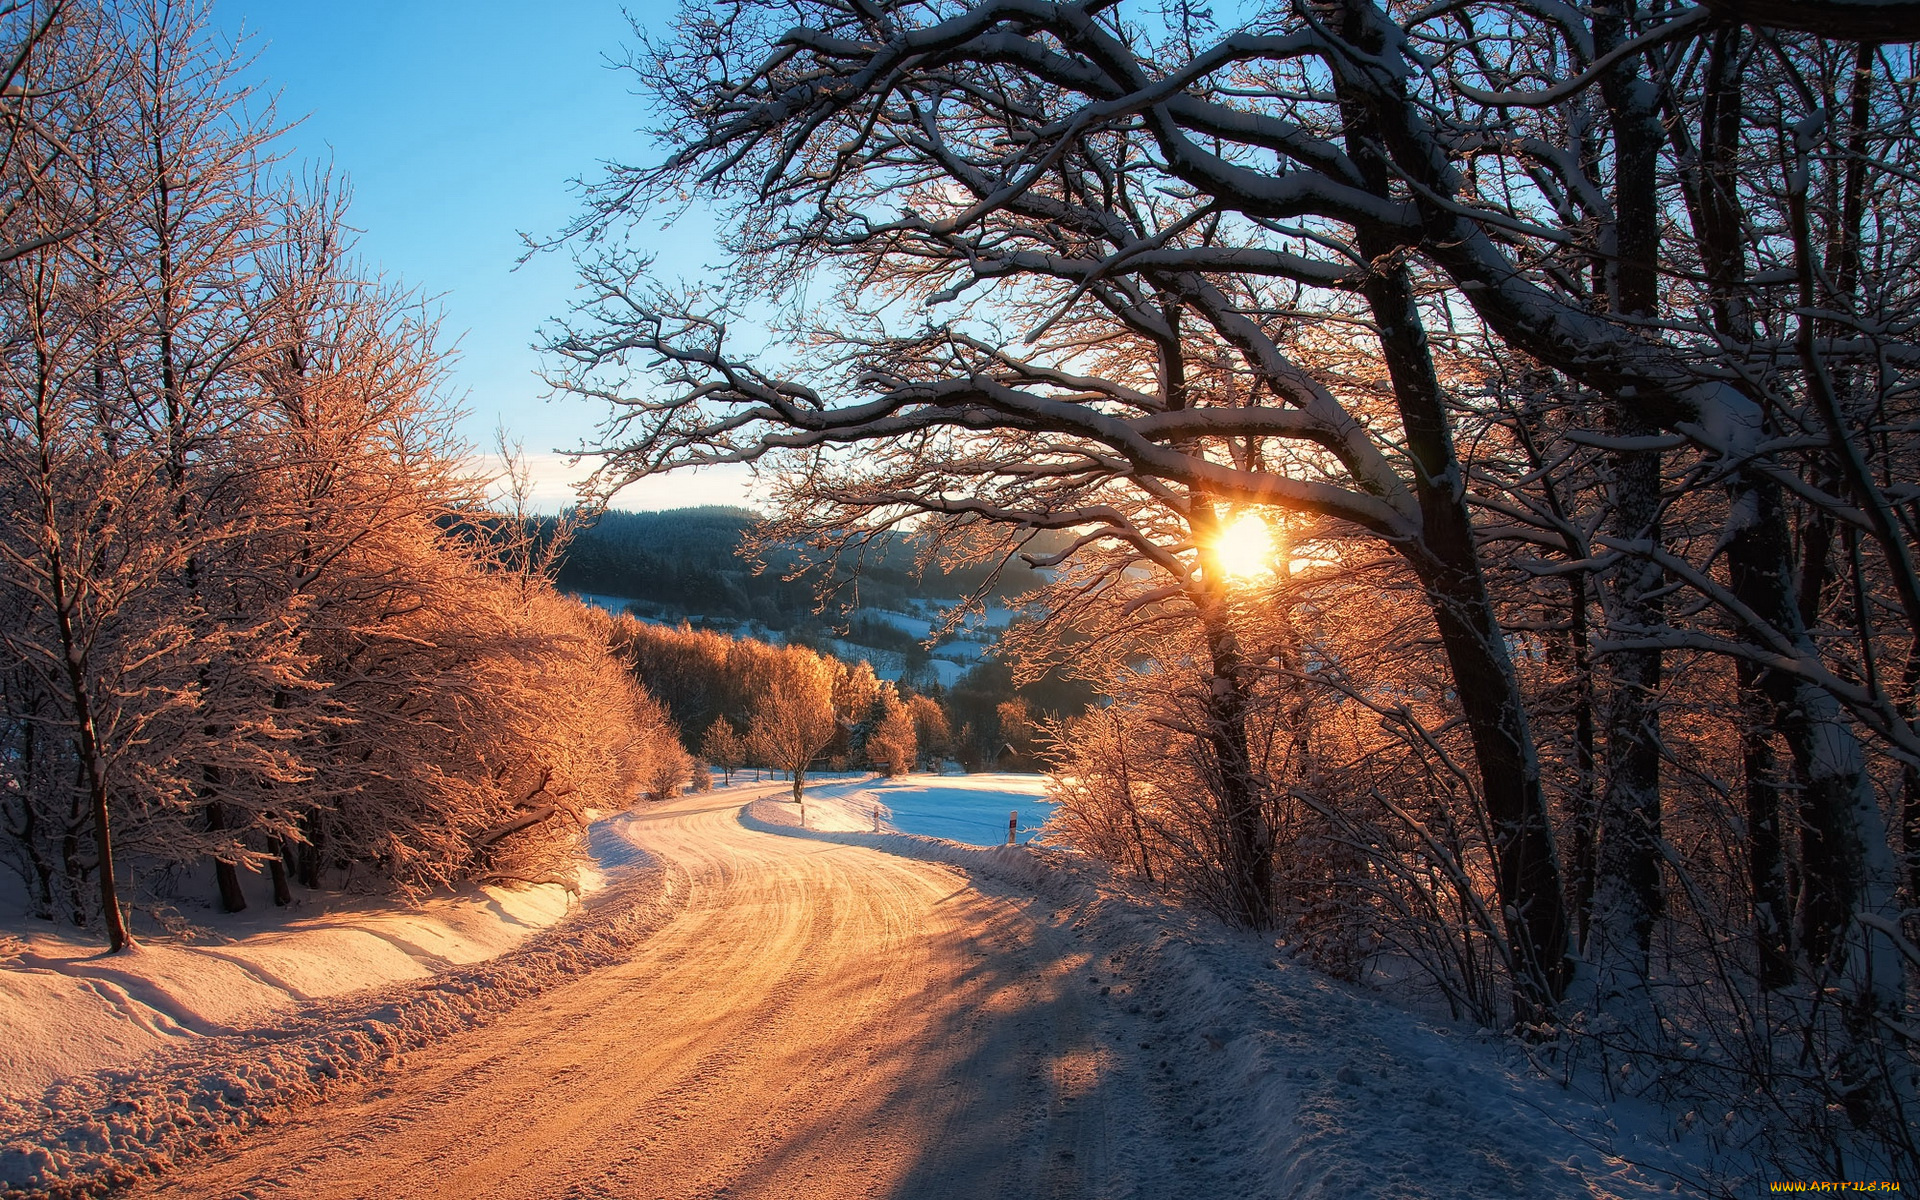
(1245,547)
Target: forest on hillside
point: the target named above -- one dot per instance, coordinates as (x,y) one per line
(690,562)
(722,692)
(708,568)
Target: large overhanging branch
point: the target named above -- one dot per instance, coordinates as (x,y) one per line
(1148,456)
(1235,260)
(716,424)
(1682,23)
(1597,352)
(1844,20)
(730,413)
(1675,393)
(856,76)
(1345,436)
(1093,522)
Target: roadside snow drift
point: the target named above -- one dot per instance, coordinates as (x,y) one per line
(173,1048)
(1304,1088)
(67,1008)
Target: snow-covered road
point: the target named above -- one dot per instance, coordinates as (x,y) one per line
(818,1020)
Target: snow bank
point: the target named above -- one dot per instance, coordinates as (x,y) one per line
(67,1008)
(193,1065)
(1303,1087)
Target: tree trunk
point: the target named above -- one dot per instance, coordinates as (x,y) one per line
(1532,898)
(1761,539)
(1585,817)
(1910,788)
(1847,867)
(70,865)
(277,866)
(310,859)
(1627,887)
(1247,847)
(1766,866)
(1527,872)
(1133,807)
(1627,896)
(93,763)
(1249,864)
(29,837)
(233,898)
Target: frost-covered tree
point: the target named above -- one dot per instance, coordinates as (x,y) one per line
(892,745)
(794,721)
(722,746)
(932,732)
(254,610)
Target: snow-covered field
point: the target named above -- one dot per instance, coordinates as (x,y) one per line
(918,627)
(972,809)
(946,672)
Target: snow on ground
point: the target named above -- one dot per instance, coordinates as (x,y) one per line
(918,627)
(972,809)
(886,664)
(1298,1086)
(613,604)
(201,1040)
(947,672)
(66,1007)
(1307,1088)
(962,650)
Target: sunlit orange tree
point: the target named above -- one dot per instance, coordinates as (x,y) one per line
(245,621)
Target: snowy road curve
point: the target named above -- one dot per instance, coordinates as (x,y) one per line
(819,1020)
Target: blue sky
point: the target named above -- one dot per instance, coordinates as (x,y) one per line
(459,124)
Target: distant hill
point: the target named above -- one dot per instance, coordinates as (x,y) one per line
(685,562)
(684,565)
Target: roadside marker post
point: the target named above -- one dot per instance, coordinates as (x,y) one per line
(1013,826)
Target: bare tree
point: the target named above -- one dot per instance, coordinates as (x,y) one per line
(250,604)
(1059,228)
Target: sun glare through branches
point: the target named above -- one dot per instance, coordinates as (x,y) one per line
(1246,548)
